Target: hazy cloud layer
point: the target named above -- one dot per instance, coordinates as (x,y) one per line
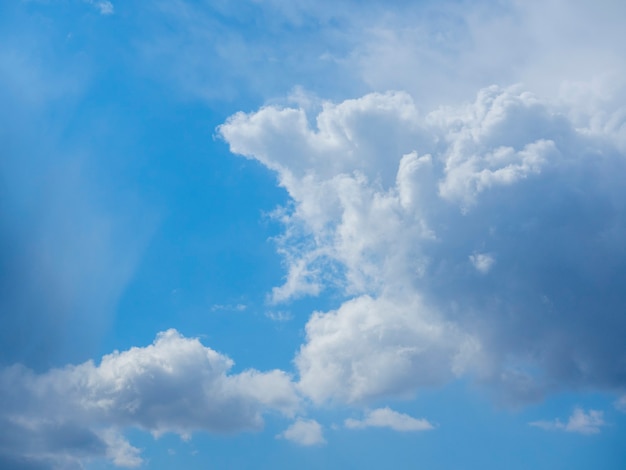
(440,52)
(485,237)
(174,385)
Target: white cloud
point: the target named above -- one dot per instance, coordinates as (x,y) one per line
(580,422)
(388,418)
(371,348)
(483,262)
(120,452)
(174,385)
(403,212)
(442,52)
(105,7)
(304,432)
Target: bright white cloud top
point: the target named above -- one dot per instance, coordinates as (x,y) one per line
(395,208)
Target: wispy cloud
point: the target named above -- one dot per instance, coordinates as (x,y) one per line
(580,422)
(279,316)
(483,262)
(388,418)
(105,7)
(229,307)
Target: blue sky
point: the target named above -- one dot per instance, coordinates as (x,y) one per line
(272,234)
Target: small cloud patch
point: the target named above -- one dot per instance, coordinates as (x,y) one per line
(105,7)
(483,262)
(579,422)
(279,316)
(388,418)
(304,433)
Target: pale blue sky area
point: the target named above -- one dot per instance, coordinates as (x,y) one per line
(295,234)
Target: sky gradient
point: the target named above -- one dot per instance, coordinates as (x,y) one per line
(297,234)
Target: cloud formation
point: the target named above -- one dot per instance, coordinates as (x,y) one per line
(388,418)
(304,432)
(483,238)
(173,385)
(105,7)
(371,348)
(580,422)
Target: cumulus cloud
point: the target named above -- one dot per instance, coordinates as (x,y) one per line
(388,418)
(304,432)
(580,422)
(372,348)
(173,385)
(484,238)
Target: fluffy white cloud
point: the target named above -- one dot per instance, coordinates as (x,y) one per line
(174,385)
(579,422)
(304,432)
(388,418)
(485,237)
(372,348)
